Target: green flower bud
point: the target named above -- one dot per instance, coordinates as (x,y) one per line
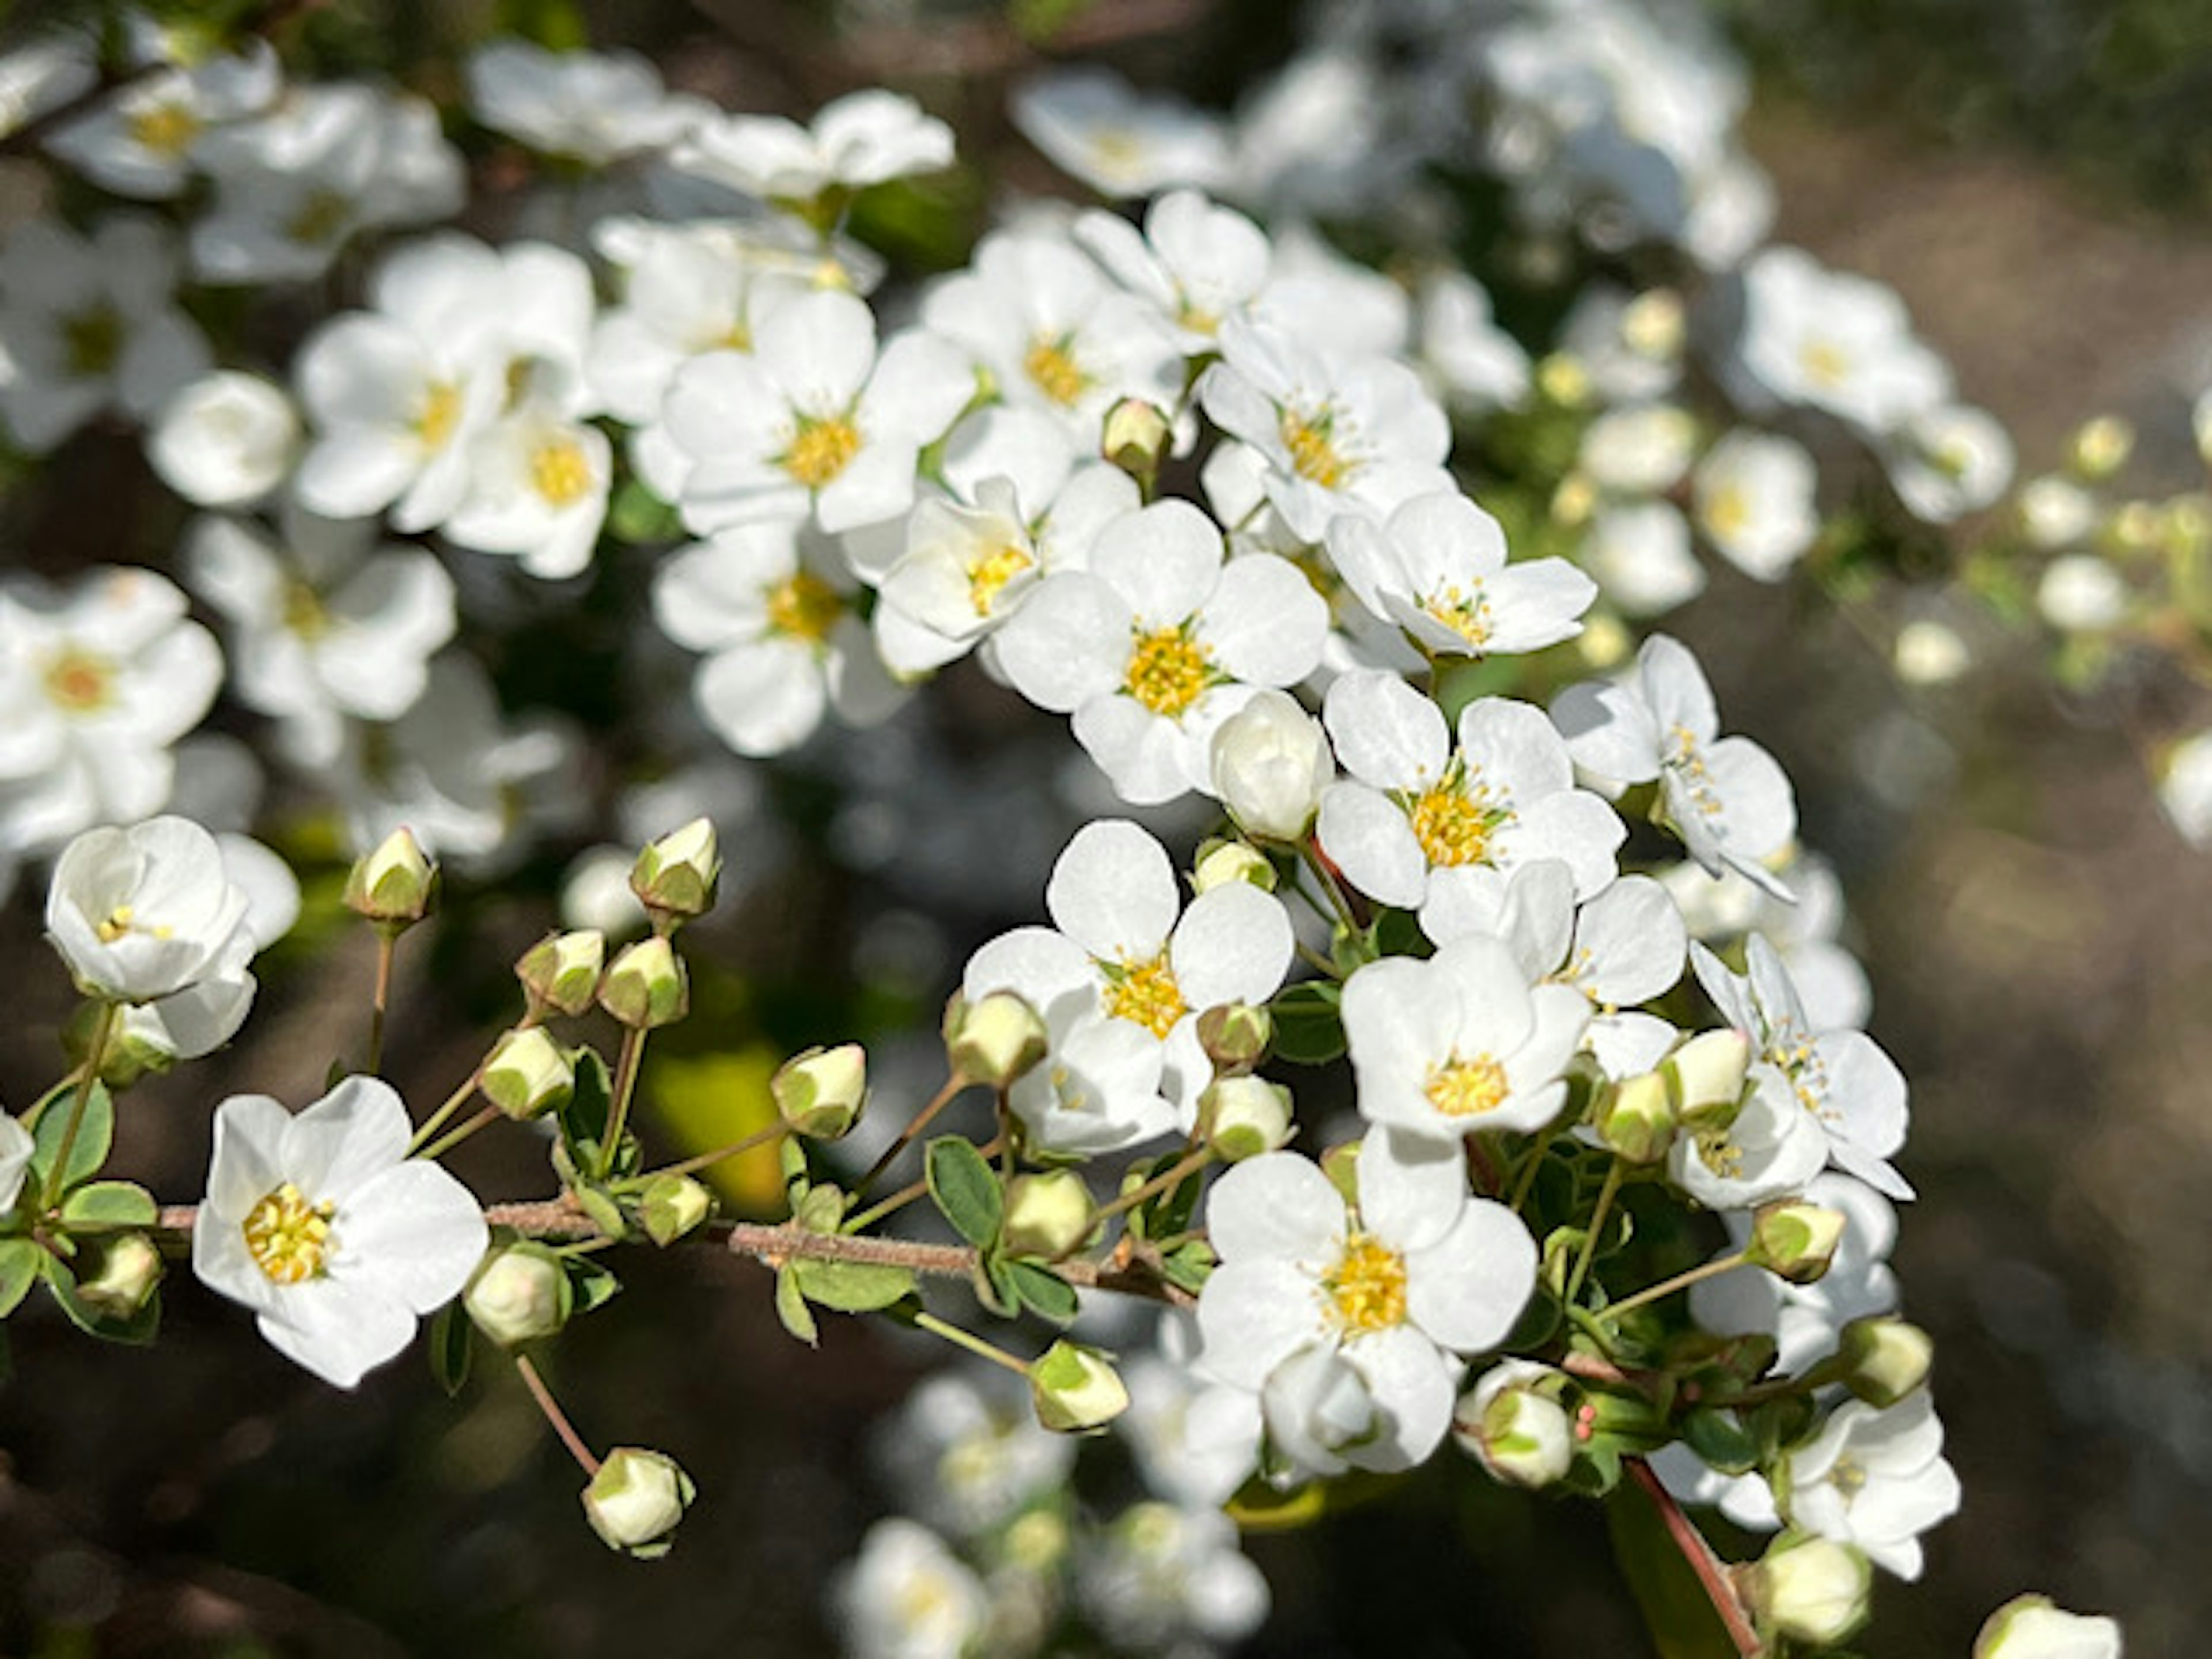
(637,1499)
(527,1074)
(1221,862)
(520,1294)
(396,885)
(1135,437)
(1046,1215)
(1705,1078)
(1074,1389)
(562,971)
(675,876)
(2032,1627)
(1513,1423)
(646,986)
(994,1039)
(1637,1118)
(118,1273)
(1809,1589)
(1244,1117)
(1234,1037)
(1884,1358)
(673,1206)
(1795,1240)
(821,1091)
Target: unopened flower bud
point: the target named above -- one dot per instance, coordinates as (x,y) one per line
(527,1074)
(1512,1423)
(117,1274)
(1795,1240)
(1135,437)
(395,885)
(1636,1119)
(1809,1589)
(1652,324)
(1222,862)
(562,971)
(1562,380)
(673,1206)
(675,876)
(1704,1077)
(646,986)
(1234,1037)
(2032,1627)
(1074,1389)
(1271,761)
(520,1294)
(1885,1358)
(2100,447)
(637,1499)
(995,1039)
(1244,1117)
(1048,1215)
(821,1091)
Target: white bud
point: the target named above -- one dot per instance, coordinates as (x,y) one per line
(2055,513)
(518,1294)
(1705,1077)
(1231,861)
(821,1092)
(395,884)
(1074,1389)
(1511,1422)
(1811,1589)
(2184,789)
(1793,1240)
(1271,762)
(646,986)
(676,875)
(995,1039)
(1244,1117)
(1884,1358)
(527,1075)
(225,441)
(1636,1119)
(1048,1215)
(2083,593)
(2031,1628)
(637,1499)
(1929,653)
(115,1275)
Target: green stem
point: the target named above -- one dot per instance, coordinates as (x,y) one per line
(1526,1183)
(1165,1181)
(626,1069)
(974,1344)
(1605,1197)
(103,1031)
(387,945)
(459,1098)
(555,1416)
(1310,854)
(922,1119)
(438,1148)
(774,1131)
(1678,1282)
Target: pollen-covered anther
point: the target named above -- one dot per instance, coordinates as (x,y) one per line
(821,450)
(804,607)
(991,573)
(1053,369)
(560,471)
(1469,1088)
(1452,827)
(1167,671)
(1313,454)
(79,682)
(289,1238)
(440,412)
(1367,1288)
(1145,994)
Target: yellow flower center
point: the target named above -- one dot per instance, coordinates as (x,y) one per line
(1167,671)
(1847,1475)
(804,607)
(167,129)
(1196,317)
(440,412)
(116,924)
(91,339)
(560,472)
(1367,1288)
(1719,1154)
(323,217)
(1053,369)
(1467,614)
(304,612)
(289,1238)
(1453,825)
(1469,1088)
(1825,364)
(1728,512)
(1687,762)
(79,682)
(987,575)
(822,449)
(1145,994)
(1313,454)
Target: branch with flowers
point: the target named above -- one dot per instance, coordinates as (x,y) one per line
(1588,1165)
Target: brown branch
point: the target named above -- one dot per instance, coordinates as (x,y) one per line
(1712,1572)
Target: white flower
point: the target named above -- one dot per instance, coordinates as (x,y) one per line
(1159,642)
(2083,593)
(143,913)
(1097,127)
(16,1146)
(1437,569)
(1876,1480)
(1163,1572)
(1195,1437)
(1769,1150)
(1754,501)
(1477,363)
(812,419)
(1835,342)
(1416,804)
(323,1225)
(1642,449)
(140,142)
(1625,946)
(226,440)
(538,479)
(596,106)
(1459,1042)
(1949,461)
(1350,1327)
(89,325)
(1640,551)
(1830,981)
(863,138)
(968,1455)
(908,1596)
(1196,265)
(1725,797)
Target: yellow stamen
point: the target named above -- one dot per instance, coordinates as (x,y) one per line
(304,611)
(440,412)
(1167,671)
(1453,825)
(560,472)
(1367,1288)
(804,607)
(1145,994)
(1824,363)
(1052,368)
(1719,1154)
(1313,454)
(115,925)
(1469,1088)
(167,129)
(987,575)
(821,450)
(1467,614)
(1728,512)
(79,682)
(290,1238)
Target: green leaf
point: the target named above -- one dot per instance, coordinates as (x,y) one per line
(1676,1610)
(994,1289)
(963,1188)
(583,1121)
(1042,1291)
(1720,1438)
(18,1271)
(109,1204)
(591,1285)
(94,1133)
(638,517)
(600,1207)
(853,1287)
(791,1308)
(1188,1266)
(821,1211)
(1309,1027)
(451,1347)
